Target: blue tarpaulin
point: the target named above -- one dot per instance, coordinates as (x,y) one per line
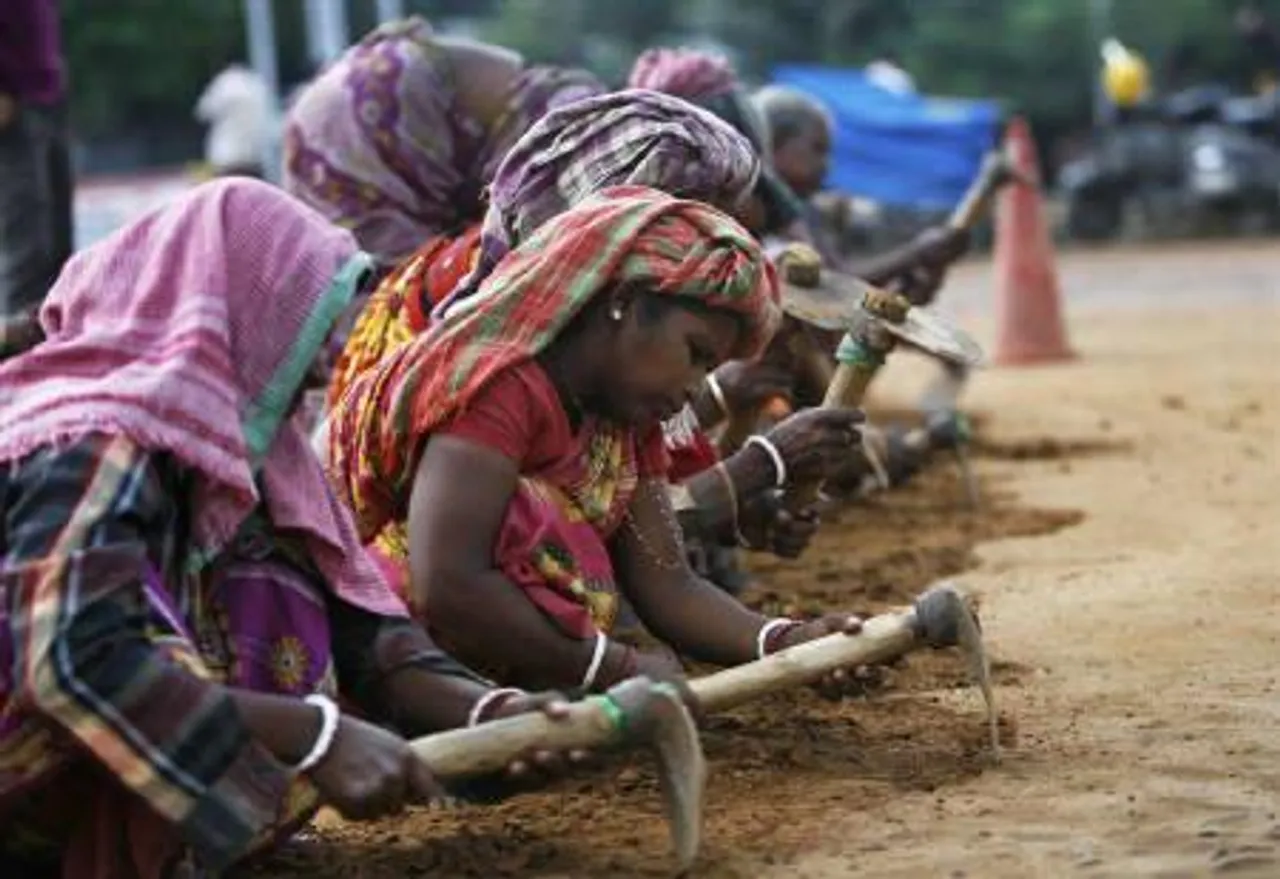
(910,150)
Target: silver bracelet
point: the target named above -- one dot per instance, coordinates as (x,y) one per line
(482,704)
(329,717)
(762,637)
(779,465)
(717,394)
(597,660)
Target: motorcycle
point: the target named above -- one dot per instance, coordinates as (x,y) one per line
(1199,158)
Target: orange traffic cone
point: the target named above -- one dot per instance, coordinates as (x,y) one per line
(1029,324)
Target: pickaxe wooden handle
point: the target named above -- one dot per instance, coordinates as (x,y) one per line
(997,170)
(941,617)
(859,357)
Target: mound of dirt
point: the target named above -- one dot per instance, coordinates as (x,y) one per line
(779,767)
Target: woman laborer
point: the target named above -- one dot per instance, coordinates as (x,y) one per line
(516,448)
(630,137)
(710,81)
(182,595)
(398,138)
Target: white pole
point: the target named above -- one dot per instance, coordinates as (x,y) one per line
(261,35)
(260,29)
(326,30)
(1100,29)
(390,10)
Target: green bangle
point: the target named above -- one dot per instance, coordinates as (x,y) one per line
(855,353)
(613,711)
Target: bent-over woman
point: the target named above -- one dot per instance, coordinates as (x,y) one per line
(514,454)
(183,598)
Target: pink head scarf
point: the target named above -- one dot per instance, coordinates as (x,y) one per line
(191,332)
(685,73)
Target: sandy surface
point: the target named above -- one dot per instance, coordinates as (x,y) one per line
(1127,555)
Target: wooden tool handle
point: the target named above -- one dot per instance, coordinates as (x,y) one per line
(847,390)
(883,637)
(491,746)
(979,194)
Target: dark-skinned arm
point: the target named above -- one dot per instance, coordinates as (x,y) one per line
(752,472)
(883,268)
(460,496)
(397,675)
(678,606)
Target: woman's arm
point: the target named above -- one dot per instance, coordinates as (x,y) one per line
(460,496)
(679,607)
(391,669)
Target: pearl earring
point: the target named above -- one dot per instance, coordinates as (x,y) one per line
(616,314)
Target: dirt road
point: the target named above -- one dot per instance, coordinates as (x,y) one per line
(1129,560)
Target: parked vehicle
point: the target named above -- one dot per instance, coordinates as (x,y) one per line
(1195,160)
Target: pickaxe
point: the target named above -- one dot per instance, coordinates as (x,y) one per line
(941,617)
(874,321)
(634,711)
(639,710)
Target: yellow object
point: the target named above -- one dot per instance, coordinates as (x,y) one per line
(1125,76)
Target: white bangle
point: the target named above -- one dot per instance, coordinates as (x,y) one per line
(329,717)
(762,637)
(779,465)
(597,660)
(717,394)
(483,703)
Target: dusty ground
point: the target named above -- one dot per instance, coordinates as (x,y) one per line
(1127,558)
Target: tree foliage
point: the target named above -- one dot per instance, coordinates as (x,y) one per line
(141,63)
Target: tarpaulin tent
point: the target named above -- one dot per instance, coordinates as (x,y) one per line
(900,149)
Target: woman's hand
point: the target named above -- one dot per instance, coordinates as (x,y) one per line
(540,767)
(920,285)
(749,385)
(839,683)
(370,772)
(813,442)
(767,525)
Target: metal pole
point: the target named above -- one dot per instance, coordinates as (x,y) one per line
(1100,29)
(326,30)
(260,30)
(390,10)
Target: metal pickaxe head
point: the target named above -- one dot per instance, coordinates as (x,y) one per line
(839,302)
(635,712)
(945,617)
(656,713)
(942,616)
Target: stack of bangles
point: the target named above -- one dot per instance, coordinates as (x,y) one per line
(779,481)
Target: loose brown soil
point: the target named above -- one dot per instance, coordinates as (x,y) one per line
(778,766)
(1135,640)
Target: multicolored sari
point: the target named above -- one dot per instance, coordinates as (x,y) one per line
(399,308)
(379,144)
(624,235)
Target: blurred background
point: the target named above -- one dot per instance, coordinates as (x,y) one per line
(1175,135)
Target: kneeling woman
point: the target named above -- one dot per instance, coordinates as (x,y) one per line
(517,450)
(182,596)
